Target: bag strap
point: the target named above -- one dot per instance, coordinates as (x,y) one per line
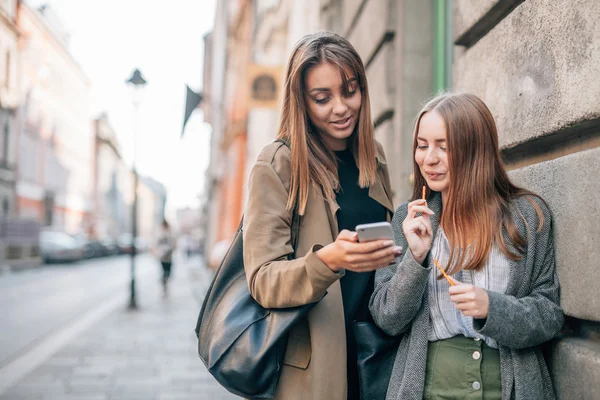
(295,213)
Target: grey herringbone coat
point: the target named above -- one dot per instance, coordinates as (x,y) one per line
(520,320)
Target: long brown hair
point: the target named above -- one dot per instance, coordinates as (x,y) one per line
(476,211)
(308,150)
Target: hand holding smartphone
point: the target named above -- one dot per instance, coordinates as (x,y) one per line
(375,231)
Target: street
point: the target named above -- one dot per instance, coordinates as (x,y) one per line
(38,301)
(67,334)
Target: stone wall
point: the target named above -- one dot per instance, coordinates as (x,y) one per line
(536,64)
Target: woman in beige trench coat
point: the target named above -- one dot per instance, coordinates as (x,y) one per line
(336,174)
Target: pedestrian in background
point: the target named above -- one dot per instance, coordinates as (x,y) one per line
(477,334)
(165,246)
(335,174)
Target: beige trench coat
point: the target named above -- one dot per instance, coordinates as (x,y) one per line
(315,360)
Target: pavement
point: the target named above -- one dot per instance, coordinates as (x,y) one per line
(117,354)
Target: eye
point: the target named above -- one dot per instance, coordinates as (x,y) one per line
(422,147)
(443,148)
(351,89)
(322,100)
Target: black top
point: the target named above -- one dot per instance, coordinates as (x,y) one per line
(356,207)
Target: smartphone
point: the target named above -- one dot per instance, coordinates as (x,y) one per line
(374,231)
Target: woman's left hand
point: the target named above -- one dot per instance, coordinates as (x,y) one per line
(470,300)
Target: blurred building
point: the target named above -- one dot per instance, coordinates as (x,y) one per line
(188,219)
(535,63)
(112,184)
(152,198)
(56,143)
(10,96)
(113,191)
(225,109)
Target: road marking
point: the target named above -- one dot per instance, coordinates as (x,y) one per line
(18,368)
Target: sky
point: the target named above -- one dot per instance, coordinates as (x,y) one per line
(164,39)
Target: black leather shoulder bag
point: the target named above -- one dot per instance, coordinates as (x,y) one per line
(241,343)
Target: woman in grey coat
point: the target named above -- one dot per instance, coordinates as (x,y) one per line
(475,334)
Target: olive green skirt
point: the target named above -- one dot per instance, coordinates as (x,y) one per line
(463,369)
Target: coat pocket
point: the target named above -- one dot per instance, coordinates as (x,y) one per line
(297,354)
(299,349)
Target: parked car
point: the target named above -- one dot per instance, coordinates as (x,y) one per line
(125,243)
(91,248)
(99,250)
(59,247)
(110,244)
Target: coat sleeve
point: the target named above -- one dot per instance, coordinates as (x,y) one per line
(273,280)
(533,319)
(399,289)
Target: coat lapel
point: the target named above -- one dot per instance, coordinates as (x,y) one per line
(333,208)
(378,193)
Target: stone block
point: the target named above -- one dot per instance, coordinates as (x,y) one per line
(379,82)
(538,69)
(349,11)
(370,28)
(574,199)
(468,12)
(576,369)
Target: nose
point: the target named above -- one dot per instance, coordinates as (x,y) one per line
(340,107)
(431,157)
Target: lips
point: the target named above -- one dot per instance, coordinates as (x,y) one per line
(342,123)
(433,175)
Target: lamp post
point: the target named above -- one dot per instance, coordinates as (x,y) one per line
(137,82)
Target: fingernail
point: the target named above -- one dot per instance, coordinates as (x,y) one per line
(388,243)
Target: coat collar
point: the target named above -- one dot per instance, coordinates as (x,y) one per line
(381,194)
(380,191)
(379,156)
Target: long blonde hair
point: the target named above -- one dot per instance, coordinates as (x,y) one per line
(476,211)
(307,148)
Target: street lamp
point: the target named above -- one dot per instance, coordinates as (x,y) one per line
(137,82)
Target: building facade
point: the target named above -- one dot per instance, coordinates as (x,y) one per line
(152,198)
(113,191)
(10,96)
(227,55)
(55,154)
(112,184)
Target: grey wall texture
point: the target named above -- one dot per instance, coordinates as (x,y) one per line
(536,64)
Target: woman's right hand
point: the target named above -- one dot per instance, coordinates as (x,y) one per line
(417,230)
(348,253)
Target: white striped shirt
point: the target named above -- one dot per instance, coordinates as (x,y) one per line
(445,320)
